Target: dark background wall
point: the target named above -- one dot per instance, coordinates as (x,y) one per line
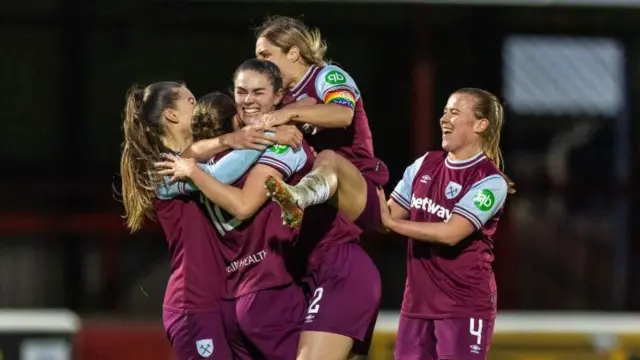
(65,66)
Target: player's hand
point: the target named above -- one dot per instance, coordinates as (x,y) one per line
(276,118)
(175,166)
(289,135)
(249,137)
(385,213)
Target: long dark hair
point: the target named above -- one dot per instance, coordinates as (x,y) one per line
(143,131)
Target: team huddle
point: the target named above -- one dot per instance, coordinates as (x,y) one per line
(263,197)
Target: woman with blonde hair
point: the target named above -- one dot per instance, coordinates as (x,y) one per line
(346,172)
(449,204)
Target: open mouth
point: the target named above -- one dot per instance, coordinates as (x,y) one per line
(251,111)
(446,131)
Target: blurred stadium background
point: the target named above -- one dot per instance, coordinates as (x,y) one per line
(568,71)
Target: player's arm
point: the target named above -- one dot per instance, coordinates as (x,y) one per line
(339,94)
(279,161)
(483,200)
(206,149)
(241,203)
(327,115)
(449,233)
(393,209)
(232,166)
(248,137)
(245,138)
(399,204)
(307,101)
(396,210)
(227,170)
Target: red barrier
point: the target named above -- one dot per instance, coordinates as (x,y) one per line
(29,223)
(126,341)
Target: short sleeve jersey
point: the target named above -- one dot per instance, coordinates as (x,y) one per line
(333,85)
(458,281)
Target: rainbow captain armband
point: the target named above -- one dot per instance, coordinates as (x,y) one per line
(341,97)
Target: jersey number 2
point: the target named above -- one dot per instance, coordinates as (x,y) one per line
(314,306)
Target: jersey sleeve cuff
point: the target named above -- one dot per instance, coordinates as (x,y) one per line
(475,221)
(283,168)
(401,200)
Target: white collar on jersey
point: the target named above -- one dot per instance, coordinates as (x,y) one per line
(463,164)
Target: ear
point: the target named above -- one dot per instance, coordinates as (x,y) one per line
(278,97)
(481,126)
(170,115)
(293,54)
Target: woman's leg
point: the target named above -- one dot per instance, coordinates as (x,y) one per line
(333,179)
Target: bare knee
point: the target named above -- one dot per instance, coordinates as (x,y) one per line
(327,158)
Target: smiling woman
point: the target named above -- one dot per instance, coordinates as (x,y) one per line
(257,90)
(478,117)
(346,170)
(158,120)
(449,203)
(250,235)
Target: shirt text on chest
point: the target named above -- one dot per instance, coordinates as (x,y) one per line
(430,206)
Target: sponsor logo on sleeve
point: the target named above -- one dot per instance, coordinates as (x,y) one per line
(484,200)
(335,77)
(279,149)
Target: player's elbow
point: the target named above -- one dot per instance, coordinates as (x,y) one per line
(243,212)
(455,230)
(450,240)
(454,234)
(348,116)
(344,116)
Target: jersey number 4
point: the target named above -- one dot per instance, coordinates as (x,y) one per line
(475,329)
(221,219)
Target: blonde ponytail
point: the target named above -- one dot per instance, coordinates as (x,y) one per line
(317,47)
(488,107)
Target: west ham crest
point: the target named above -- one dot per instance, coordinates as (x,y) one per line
(452,190)
(205,347)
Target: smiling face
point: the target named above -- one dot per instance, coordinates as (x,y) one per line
(459,124)
(254,95)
